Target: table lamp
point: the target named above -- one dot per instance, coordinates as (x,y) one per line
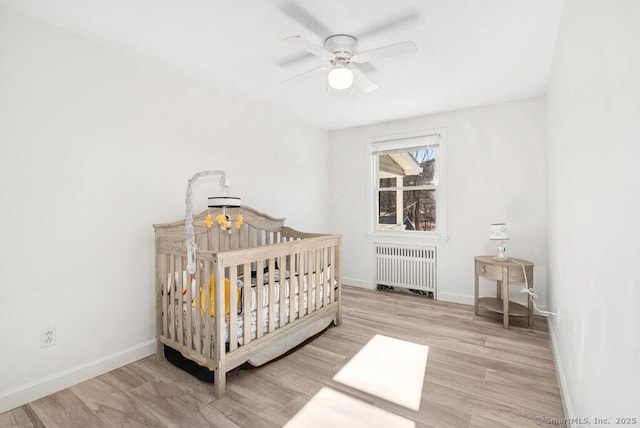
(498,232)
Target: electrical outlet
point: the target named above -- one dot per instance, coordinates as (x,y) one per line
(47,336)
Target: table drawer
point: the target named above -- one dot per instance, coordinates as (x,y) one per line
(489,271)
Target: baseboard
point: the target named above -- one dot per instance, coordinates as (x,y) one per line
(24,394)
(564,391)
(358,283)
(464,299)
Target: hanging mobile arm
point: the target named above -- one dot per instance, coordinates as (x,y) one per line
(189,234)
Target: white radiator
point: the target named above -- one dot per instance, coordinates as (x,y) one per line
(406,266)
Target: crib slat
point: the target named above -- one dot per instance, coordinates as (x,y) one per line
(180,299)
(317,279)
(242,237)
(272,294)
(246,302)
(201,282)
(336,275)
(210,239)
(234,237)
(292,286)
(309,277)
(206,347)
(219,316)
(172,297)
(325,277)
(165,294)
(158,281)
(251,231)
(283,289)
(188,309)
(300,279)
(226,238)
(202,242)
(332,266)
(233,308)
(259,295)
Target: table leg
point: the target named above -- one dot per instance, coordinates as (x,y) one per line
(477,290)
(529,302)
(499,289)
(505,297)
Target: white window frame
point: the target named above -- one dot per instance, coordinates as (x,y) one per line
(408,141)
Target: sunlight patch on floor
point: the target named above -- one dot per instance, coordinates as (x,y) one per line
(330,408)
(388,368)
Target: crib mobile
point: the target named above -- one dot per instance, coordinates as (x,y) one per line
(223,220)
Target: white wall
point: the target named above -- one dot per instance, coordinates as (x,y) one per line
(593,156)
(496,172)
(96,146)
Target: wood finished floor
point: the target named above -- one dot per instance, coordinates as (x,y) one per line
(478,375)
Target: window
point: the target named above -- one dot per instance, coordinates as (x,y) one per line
(409,194)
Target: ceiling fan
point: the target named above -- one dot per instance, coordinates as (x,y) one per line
(345,64)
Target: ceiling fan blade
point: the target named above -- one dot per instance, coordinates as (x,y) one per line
(294,59)
(386,51)
(363,83)
(393,22)
(308,46)
(305,19)
(306,73)
(365,67)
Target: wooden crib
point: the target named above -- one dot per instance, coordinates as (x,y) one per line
(287,285)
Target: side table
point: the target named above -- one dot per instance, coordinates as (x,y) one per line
(504,273)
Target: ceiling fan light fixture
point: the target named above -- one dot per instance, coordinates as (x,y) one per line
(340,78)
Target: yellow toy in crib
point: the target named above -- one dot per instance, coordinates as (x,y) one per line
(239,221)
(227,292)
(208,221)
(223,221)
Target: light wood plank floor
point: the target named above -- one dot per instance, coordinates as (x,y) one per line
(478,375)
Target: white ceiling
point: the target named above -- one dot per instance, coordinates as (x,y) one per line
(470,52)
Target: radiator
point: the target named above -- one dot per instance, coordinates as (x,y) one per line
(406,266)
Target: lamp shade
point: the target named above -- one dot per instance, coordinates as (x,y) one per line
(224,202)
(340,78)
(498,232)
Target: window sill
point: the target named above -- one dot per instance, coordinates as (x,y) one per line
(400,236)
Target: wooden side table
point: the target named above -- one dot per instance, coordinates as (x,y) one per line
(503,273)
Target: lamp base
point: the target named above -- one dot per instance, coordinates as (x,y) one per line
(501,255)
